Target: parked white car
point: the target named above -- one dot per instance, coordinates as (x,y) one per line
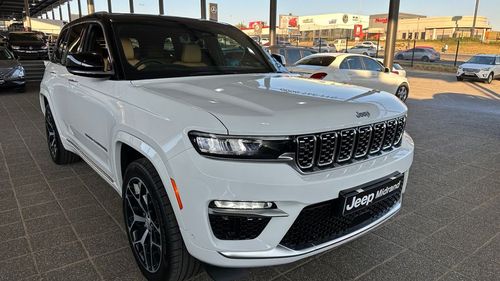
(396,68)
(370,44)
(480,67)
(352,69)
(219,157)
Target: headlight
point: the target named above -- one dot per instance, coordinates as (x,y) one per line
(17,71)
(242,147)
(460,67)
(15,47)
(486,69)
(44,47)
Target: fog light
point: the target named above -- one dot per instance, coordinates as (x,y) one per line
(243,205)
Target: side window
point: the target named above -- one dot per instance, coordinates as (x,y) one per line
(74,41)
(352,63)
(498,60)
(293,55)
(60,46)
(371,65)
(306,53)
(96,43)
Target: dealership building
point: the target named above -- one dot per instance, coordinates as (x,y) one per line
(328,26)
(412,26)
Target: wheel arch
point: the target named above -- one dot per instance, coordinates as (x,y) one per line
(128,148)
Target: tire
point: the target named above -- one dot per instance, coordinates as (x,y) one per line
(489,79)
(460,78)
(57,152)
(402,92)
(400,57)
(21,89)
(425,59)
(168,258)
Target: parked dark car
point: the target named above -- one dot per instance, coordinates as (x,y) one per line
(28,45)
(11,71)
(290,53)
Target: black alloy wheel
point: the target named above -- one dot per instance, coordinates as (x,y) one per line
(153,233)
(57,151)
(402,93)
(143,224)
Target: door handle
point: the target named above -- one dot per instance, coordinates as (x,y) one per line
(72,80)
(53,72)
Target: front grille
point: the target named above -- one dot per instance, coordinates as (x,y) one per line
(237,227)
(323,222)
(471,70)
(329,149)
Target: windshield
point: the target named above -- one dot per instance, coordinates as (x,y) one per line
(24,37)
(177,50)
(6,55)
(482,60)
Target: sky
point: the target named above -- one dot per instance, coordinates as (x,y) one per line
(235,11)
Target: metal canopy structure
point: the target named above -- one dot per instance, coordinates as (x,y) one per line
(10,9)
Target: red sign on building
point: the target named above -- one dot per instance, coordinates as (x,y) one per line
(358,30)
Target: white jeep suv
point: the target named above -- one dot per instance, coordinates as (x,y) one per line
(219,157)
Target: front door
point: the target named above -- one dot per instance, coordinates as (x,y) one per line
(91,121)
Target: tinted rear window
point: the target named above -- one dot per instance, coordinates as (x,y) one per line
(319,61)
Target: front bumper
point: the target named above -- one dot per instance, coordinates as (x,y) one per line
(479,75)
(201,180)
(12,83)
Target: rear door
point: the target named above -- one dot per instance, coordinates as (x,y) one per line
(351,71)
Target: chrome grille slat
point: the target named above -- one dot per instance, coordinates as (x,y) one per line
(364,138)
(399,131)
(328,149)
(328,145)
(306,150)
(346,146)
(378,137)
(390,133)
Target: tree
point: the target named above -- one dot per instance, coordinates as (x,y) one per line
(240,25)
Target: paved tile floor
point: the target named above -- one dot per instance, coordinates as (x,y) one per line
(64,223)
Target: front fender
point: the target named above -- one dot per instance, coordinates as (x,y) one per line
(151,152)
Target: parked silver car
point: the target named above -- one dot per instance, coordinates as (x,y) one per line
(11,71)
(363,50)
(422,54)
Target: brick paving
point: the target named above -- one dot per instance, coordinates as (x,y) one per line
(65,223)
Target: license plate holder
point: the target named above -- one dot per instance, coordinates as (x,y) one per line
(358,198)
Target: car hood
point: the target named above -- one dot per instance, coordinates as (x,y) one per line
(278,104)
(475,65)
(7,64)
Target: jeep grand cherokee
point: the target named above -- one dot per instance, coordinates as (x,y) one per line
(219,157)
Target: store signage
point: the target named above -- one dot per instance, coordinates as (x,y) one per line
(358,30)
(308,20)
(345,18)
(381,20)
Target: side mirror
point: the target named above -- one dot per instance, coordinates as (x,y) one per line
(87,64)
(279,58)
(387,70)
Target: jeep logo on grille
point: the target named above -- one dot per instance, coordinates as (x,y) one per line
(363,114)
